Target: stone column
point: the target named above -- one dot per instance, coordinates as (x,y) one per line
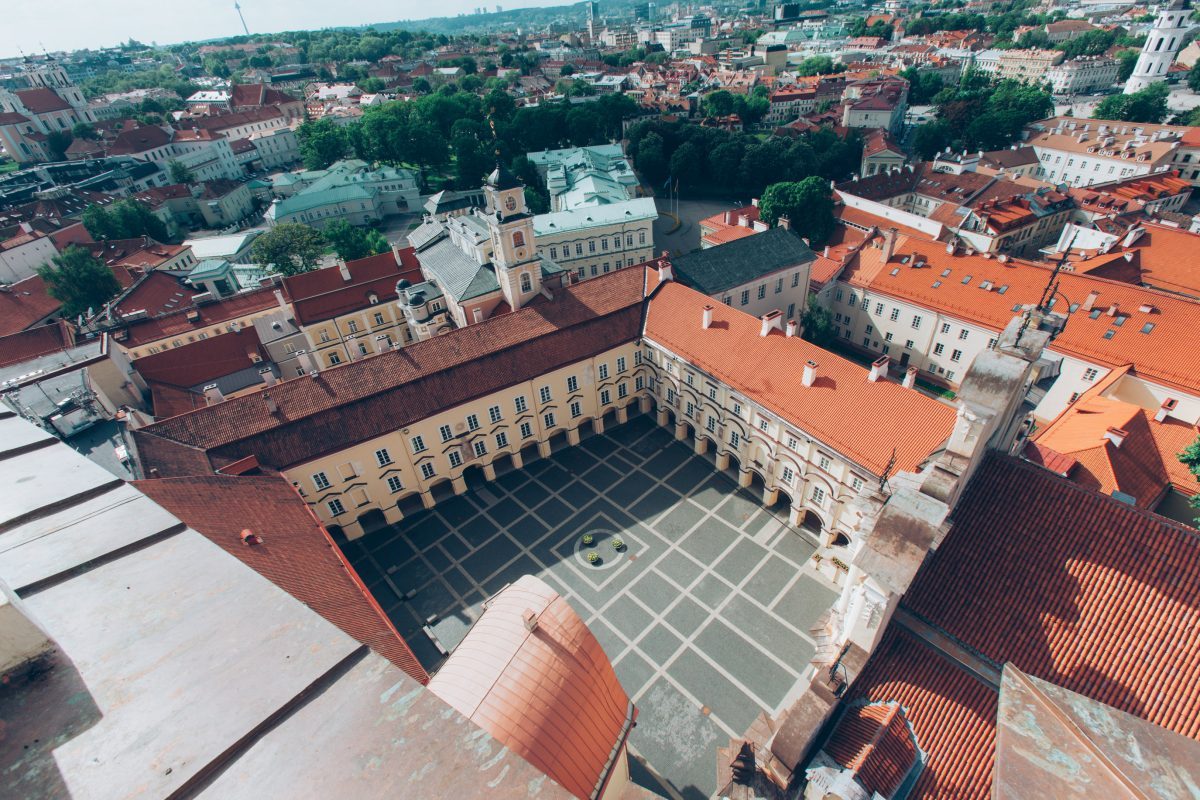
(598,424)
(489,472)
(393,514)
(722,459)
(644,403)
(459,484)
(427,499)
(573,436)
(662,416)
(353,530)
(796,516)
(745,478)
(680,431)
(701,445)
(517,461)
(770,496)
(623,414)
(544,448)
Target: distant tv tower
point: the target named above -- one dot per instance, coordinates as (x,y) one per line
(238,9)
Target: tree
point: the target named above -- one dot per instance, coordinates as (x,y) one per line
(79,281)
(321,143)
(124,219)
(179,173)
(1190,458)
(686,164)
(351,243)
(84,130)
(1147,105)
(652,158)
(817,65)
(289,248)
(808,205)
(1193,77)
(816,324)
(567,69)
(57,143)
(421,86)
(1127,60)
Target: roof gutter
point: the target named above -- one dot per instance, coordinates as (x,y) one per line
(630,721)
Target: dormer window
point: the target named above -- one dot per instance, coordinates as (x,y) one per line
(372,298)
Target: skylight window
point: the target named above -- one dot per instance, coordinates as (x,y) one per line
(1119,321)
(1095,314)
(1108,334)
(945,273)
(1017,307)
(1003,289)
(895,272)
(1149,326)
(966,280)
(936,284)
(1074,307)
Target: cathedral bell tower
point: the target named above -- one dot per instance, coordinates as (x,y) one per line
(518,268)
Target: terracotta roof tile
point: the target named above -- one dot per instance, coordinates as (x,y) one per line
(359,400)
(324,294)
(550,695)
(874,741)
(25,303)
(295,552)
(41,100)
(862,420)
(31,343)
(176,323)
(156,293)
(202,361)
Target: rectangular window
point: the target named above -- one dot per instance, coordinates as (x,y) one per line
(418,444)
(383,457)
(795,279)
(778,285)
(824,463)
(1089,374)
(638,383)
(622,389)
(579,248)
(963,334)
(501,439)
(856,483)
(352,326)
(792,443)
(818,496)
(621,364)
(956,355)
(494,413)
(427,470)
(548,419)
(789,475)
(745,296)
(577,411)
(480,448)
(908,344)
(519,404)
(394,484)
(938,349)
(335,507)
(916,322)
(605,397)
(446,433)
(472,422)
(762,291)
(737,408)
(735,440)
(526,430)
(878,309)
(895,315)
(870,329)
(572,384)
(763,425)
(711,425)
(945,327)
(544,394)
(553,252)
(604,372)
(321,481)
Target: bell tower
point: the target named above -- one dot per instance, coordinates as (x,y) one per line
(518,267)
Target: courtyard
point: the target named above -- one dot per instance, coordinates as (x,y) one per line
(704,614)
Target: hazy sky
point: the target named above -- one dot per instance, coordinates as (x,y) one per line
(74,24)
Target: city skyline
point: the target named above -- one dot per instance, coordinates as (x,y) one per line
(79,25)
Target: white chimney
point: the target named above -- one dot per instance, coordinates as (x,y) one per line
(1113,309)
(280,301)
(212,394)
(889,244)
(772,320)
(792,327)
(270,401)
(267,376)
(342,268)
(1090,300)
(910,377)
(810,373)
(664,269)
(382,343)
(706,317)
(530,620)
(1116,436)
(879,369)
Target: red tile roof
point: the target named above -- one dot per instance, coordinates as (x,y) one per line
(24,304)
(324,294)
(177,323)
(294,551)
(156,293)
(861,419)
(953,714)
(1167,257)
(550,694)
(31,343)
(875,742)
(202,361)
(42,101)
(1073,587)
(364,399)
(1164,355)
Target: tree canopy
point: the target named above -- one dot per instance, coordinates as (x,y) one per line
(816,323)
(807,204)
(1190,458)
(351,243)
(981,114)
(79,281)
(1147,105)
(124,219)
(321,143)
(289,248)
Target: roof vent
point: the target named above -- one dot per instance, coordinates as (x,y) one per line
(530,620)
(1116,436)
(250,538)
(1164,411)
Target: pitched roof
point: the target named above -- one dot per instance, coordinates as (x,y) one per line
(257,94)
(861,419)
(735,263)
(324,293)
(874,740)
(201,361)
(31,343)
(1072,587)
(363,399)
(1162,353)
(155,293)
(25,303)
(294,552)
(550,694)
(42,100)
(176,323)
(1166,257)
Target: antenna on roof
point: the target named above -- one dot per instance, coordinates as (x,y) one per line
(238,9)
(1051,289)
(883,479)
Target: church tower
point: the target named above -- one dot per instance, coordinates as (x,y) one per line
(518,268)
(51,75)
(1162,44)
